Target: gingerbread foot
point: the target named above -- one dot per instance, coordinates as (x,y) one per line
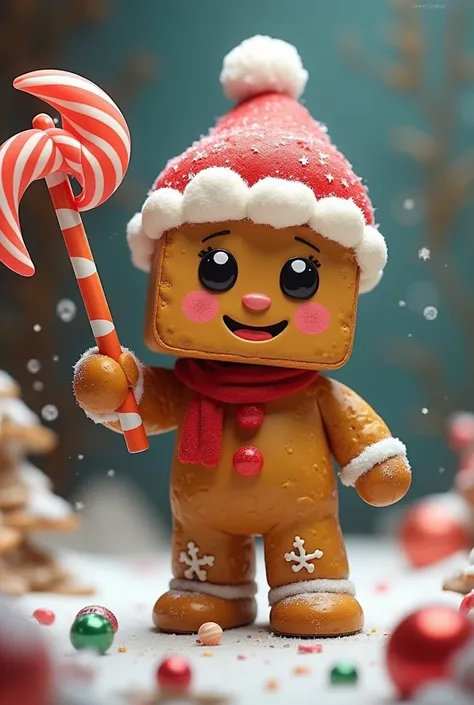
(181,612)
(317,614)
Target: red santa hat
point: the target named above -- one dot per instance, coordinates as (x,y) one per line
(267,160)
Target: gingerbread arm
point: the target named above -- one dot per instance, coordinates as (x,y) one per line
(100,385)
(371,460)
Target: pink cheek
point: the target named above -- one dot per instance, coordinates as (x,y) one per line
(312,319)
(200,306)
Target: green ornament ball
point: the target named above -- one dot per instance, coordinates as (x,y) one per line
(93,632)
(344,674)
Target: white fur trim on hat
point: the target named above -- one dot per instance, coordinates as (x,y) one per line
(280,203)
(162,210)
(263,65)
(140,245)
(219,194)
(375,453)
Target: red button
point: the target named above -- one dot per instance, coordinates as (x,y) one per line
(247,461)
(249,417)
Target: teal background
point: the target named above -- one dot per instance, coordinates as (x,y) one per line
(189,40)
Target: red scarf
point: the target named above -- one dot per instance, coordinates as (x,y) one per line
(217,383)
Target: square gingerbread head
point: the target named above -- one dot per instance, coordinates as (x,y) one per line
(260,237)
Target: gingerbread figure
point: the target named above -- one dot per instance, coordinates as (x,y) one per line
(259,240)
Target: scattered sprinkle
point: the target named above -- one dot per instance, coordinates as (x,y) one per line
(301,671)
(310,648)
(373,630)
(430,313)
(33,366)
(241,657)
(271,684)
(207,653)
(49,412)
(424,253)
(44,617)
(382,587)
(66,310)
(37,328)
(122,649)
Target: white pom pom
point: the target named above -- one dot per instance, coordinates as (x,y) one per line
(280,203)
(371,253)
(367,284)
(140,245)
(260,65)
(215,194)
(338,219)
(162,210)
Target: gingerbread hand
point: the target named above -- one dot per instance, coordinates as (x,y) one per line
(386,483)
(101,384)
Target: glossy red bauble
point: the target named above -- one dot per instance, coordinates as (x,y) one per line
(247,461)
(174,674)
(249,417)
(423,645)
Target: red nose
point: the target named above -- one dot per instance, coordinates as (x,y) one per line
(256,302)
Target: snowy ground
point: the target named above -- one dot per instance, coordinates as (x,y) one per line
(269,671)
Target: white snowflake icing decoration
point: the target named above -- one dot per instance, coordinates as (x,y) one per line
(304,161)
(301,559)
(330,178)
(190,558)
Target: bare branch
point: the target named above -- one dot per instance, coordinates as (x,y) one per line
(417,144)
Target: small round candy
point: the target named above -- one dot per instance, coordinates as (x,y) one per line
(467,606)
(93,632)
(210,634)
(247,461)
(103,611)
(249,417)
(344,674)
(174,674)
(43,616)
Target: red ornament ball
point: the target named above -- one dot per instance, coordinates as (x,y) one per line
(422,646)
(103,612)
(174,674)
(247,461)
(467,606)
(44,617)
(249,417)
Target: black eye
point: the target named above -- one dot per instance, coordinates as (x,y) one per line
(217,270)
(299,278)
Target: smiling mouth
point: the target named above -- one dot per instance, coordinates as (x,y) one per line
(254,333)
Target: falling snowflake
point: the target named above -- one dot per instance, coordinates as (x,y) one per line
(110,473)
(33,366)
(408,204)
(49,412)
(424,253)
(402,303)
(66,310)
(79,506)
(424,411)
(330,178)
(304,161)
(37,328)
(80,456)
(38,386)
(301,559)
(55,358)
(441,470)
(430,313)
(190,558)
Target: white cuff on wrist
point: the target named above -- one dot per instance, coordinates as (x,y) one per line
(372,455)
(138,389)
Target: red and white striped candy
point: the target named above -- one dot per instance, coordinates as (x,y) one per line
(93,146)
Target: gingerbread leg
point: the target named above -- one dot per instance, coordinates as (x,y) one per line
(213,581)
(307,570)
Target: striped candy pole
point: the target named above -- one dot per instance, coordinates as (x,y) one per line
(90,286)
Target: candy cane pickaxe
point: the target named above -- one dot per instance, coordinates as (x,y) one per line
(93,145)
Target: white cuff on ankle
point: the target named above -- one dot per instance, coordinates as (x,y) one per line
(308,587)
(137,390)
(372,455)
(226,592)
